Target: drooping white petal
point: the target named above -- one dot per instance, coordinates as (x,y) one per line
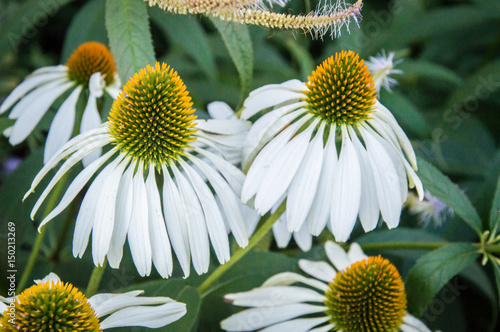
(75,187)
(176,221)
(160,243)
(368,206)
(281,172)
(213,217)
(297,325)
(355,253)
(256,318)
(220,110)
(30,83)
(196,226)
(123,214)
(273,296)
(265,158)
(62,126)
(303,238)
(337,255)
(52,277)
(138,232)
(228,199)
(413,324)
(34,110)
(346,191)
(320,207)
(290,278)
(105,303)
(319,270)
(224,127)
(90,120)
(50,69)
(281,233)
(147,316)
(304,184)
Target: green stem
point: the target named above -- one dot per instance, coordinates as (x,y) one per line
(261,232)
(95,279)
(40,236)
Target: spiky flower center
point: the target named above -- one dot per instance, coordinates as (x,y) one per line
(368,296)
(152,118)
(90,58)
(50,307)
(341,89)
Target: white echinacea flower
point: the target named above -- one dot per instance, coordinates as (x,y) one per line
(91,68)
(51,305)
(330,147)
(381,66)
(154,190)
(357,293)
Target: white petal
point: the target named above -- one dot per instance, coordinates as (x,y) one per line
(412,324)
(304,184)
(355,253)
(346,191)
(320,208)
(303,238)
(75,187)
(105,303)
(225,127)
(97,84)
(273,296)
(151,317)
(281,172)
(220,110)
(33,110)
(196,227)
(176,221)
(337,255)
(160,243)
(290,278)
(104,216)
(228,199)
(123,213)
(50,69)
(326,328)
(213,217)
(281,233)
(138,232)
(62,126)
(256,318)
(54,278)
(368,207)
(90,120)
(251,218)
(297,325)
(386,180)
(31,82)
(319,270)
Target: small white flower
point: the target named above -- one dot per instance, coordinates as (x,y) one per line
(381,66)
(330,148)
(430,210)
(152,130)
(91,67)
(52,300)
(334,299)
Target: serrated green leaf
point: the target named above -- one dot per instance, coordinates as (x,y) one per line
(449,193)
(129,36)
(433,270)
(87,25)
(192,39)
(25,21)
(406,112)
(428,70)
(495,209)
(237,40)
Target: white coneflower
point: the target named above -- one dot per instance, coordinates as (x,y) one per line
(330,147)
(51,305)
(152,131)
(90,67)
(430,210)
(381,66)
(358,293)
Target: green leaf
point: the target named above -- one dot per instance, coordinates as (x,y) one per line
(406,112)
(129,36)
(24,22)
(192,39)
(495,209)
(449,193)
(496,270)
(87,25)
(237,40)
(428,70)
(433,270)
